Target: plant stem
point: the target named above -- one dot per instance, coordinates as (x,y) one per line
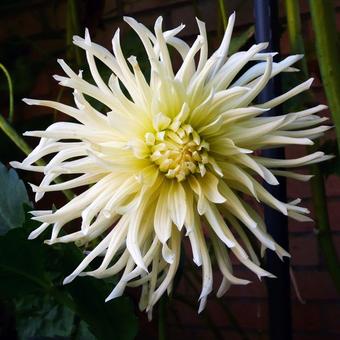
(323,231)
(317,183)
(13,136)
(294,31)
(24,147)
(10,93)
(162,319)
(324,25)
(223,13)
(72,28)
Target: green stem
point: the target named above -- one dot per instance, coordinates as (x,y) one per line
(223,13)
(10,93)
(324,25)
(317,184)
(13,136)
(323,231)
(162,319)
(294,31)
(72,28)
(24,147)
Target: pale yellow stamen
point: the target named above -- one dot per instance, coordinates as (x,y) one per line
(178,150)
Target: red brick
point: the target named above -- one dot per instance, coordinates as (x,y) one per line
(255,289)
(299,227)
(304,250)
(320,336)
(315,285)
(250,315)
(334,214)
(132,7)
(336,241)
(333,186)
(331,316)
(187,315)
(306,317)
(297,189)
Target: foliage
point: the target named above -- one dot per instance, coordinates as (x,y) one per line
(31,274)
(13,196)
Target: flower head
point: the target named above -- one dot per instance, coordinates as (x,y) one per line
(171,158)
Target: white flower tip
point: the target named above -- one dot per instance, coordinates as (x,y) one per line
(130,21)
(199,22)
(168,254)
(202,305)
(309,82)
(159,21)
(61,61)
(34,234)
(322,107)
(15,164)
(232,17)
(34,187)
(263,45)
(114,294)
(62,80)
(298,56)
(87,37)
(132,60)
(150,314)
(69,279)
(29,101)
(116,36)
(50,242)
(267,274)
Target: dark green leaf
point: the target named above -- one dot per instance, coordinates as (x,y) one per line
(13,197)
(83,332)
(30,267)
(40,315)
(21,265)
(111,320)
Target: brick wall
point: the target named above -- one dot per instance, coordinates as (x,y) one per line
(317,317)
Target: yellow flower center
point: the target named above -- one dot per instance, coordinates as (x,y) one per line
(178,150)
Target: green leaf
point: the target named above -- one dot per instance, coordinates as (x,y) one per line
(239,40)
(13,197)
(83,332)
(41,316)
(111,320)
(21,265)
(30,267)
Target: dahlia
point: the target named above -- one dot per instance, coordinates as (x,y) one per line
(172,157)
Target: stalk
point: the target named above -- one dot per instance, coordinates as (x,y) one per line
(72,28)
(162,319)
(324,25)
(13,136)
(25,148)
(317,183)
(10,93)
(323,231)
(223,13)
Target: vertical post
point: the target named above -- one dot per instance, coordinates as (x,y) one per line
(279,307)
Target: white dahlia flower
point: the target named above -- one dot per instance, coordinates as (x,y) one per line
(172,158)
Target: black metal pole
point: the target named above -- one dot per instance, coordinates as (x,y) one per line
(279,305)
